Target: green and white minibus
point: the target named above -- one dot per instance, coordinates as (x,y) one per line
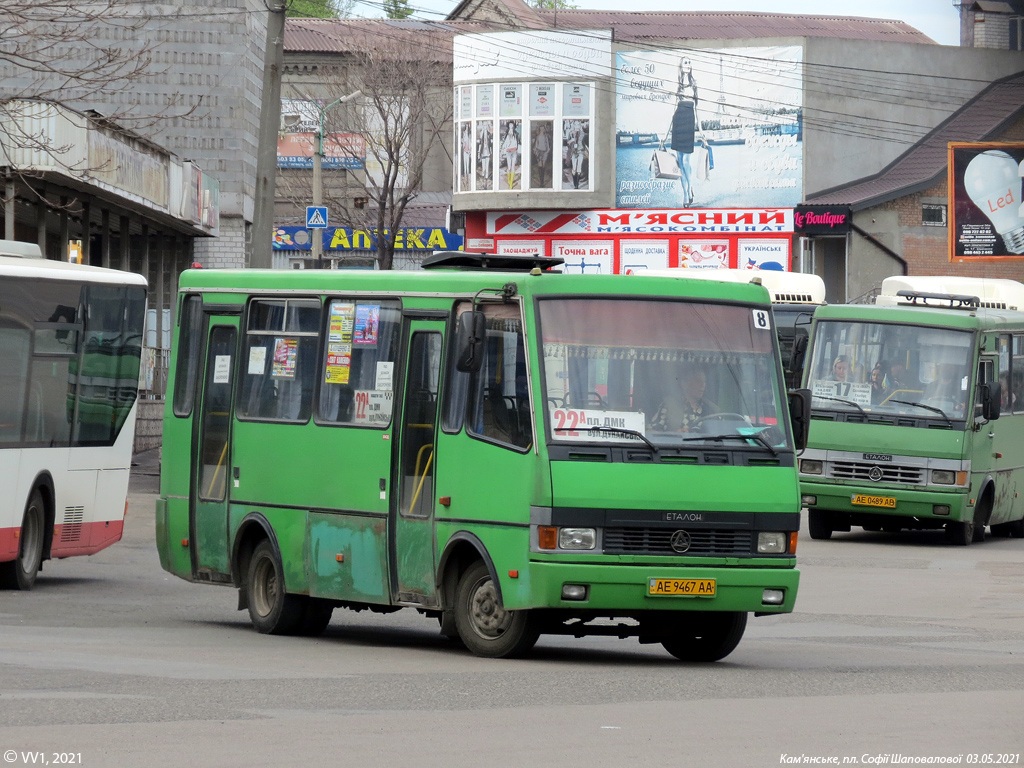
(917,411)
(504,448)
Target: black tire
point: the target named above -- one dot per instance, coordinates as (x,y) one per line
(272,610)
(820,524)
(21,572)
(960,534)
(316,617)
(706,636)
(484,625)
(978,534)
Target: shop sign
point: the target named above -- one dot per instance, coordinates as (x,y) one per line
(669,222)
(346,239)
(822,219)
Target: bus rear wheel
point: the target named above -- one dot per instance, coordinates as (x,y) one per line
(21,572)
(486,628)
(272,610)
(706,636)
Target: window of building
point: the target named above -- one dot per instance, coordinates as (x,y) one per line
(933,215)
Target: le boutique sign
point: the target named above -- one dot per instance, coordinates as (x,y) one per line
(822,219)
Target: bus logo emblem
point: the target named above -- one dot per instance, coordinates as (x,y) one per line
(875,474)
(680,541)
(877,457)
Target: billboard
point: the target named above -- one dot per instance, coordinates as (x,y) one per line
(296,144)
(986,212)
(715,128)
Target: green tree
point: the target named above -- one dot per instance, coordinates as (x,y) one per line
(397,9)
(320,9)
(553,5)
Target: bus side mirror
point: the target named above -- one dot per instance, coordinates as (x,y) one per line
(469,342)
(800,415)
(991,397)
(796,360)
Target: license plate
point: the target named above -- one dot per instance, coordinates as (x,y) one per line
(697,587)
(873,501)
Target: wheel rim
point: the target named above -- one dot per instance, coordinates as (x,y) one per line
(30,553)
(264,587)
(486,616)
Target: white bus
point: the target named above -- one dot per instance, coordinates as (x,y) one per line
(70,349)
(794,296)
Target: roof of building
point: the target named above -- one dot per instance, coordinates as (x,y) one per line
(352,35)
(639,26)
(923,165)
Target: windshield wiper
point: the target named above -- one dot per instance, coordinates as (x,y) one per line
(758,436)
(841,400)
(926,407)
(609,431)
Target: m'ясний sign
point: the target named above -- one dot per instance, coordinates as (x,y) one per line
(822,219)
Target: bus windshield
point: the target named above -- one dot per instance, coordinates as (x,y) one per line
(897,369)
(661,373)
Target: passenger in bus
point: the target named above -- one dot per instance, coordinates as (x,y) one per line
(947,387)
(841,368)
(683,409)
(880,382)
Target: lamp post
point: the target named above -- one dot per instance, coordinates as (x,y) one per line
(318,188)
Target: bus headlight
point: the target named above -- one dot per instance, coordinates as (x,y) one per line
(943,476)
(771,543)
(811,466)
(577,538)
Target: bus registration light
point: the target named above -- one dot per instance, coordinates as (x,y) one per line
(771,543)
(577,538)
(773,597)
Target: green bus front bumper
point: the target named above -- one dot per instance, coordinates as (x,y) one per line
(625,588)
(909,504)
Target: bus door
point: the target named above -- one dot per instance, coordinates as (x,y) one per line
(211,455)
(412,507)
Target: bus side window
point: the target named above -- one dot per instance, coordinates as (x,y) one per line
(499,400)
(189,346)
(279,361)
(358,355)
(1017,375)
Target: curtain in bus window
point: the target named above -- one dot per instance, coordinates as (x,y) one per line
(111,358)
(279,360)
(359,354)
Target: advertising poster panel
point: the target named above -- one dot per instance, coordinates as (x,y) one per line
(986,211)
(709,128)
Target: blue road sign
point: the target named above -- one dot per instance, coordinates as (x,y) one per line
(316,217)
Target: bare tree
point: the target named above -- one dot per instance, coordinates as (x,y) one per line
(403,117)
(71,54)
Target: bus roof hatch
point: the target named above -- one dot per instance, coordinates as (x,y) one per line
(494,261)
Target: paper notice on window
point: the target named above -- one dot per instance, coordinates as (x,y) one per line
(286,352)
(385,376)
(257,361)
(339,364)
(222,369)
(339,329)
(373,407)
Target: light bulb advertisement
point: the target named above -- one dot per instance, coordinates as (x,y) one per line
(987,213)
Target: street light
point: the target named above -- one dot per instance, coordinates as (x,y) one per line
(318,189)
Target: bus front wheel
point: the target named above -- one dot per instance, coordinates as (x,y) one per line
(272,610)
(819,522)
(706,636)
(21,572)
(486,628)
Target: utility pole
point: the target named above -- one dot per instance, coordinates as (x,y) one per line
(270,124)
(318,184)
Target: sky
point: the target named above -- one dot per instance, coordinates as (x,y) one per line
(936,18)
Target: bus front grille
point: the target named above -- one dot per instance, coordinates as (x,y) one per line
(861,470)
(657,541)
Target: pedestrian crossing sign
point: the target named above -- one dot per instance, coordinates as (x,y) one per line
(316,217)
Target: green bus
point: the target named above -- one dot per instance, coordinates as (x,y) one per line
(917,411)
(491,443)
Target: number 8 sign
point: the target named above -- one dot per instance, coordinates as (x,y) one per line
(761,320)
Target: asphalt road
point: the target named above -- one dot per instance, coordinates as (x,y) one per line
(900,646)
